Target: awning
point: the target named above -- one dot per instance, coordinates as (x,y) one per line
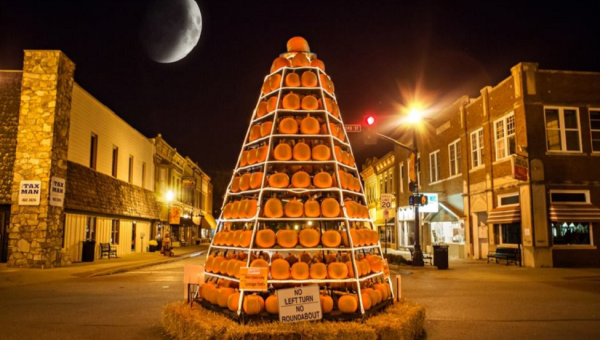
(505,215)
(208,222)
(574,213)
(447,213)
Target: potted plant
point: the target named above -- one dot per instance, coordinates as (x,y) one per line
(153,245)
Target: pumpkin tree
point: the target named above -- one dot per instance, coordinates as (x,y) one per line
(295,203)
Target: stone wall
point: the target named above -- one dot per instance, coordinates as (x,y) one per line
(10,99)
(36,232)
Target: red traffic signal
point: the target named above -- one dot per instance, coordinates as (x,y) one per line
(370,120)
(370,130)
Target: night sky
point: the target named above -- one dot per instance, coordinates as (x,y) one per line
(372,49)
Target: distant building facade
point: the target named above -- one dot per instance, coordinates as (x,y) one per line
(515,167)
(71,170)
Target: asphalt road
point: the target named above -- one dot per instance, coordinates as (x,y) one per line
(469,301)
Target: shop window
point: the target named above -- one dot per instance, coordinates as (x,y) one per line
(455,158)
(570,196)
(595,127)
(115,232)
(504,132)
(477,148)
(391,177)
(510,233)
(93,151)
(434,167)
(509,199)
(571,233)
(90,228)
(447,232)
(562,129)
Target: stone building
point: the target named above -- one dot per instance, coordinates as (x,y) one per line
(517,167)
(71,169)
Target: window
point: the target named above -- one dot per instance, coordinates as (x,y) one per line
(434,166)
(455,158)
(391,176)
(93,151)
(115,160)
(508,199)
(90,228)
(143,174)
(562,129)
(115,232)
(595,127)
(571,233)
(510,233)
(504,136)
(570,196)
(477,148)
(381,185)
(401,178)
(130,175)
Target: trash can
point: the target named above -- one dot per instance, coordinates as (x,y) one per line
(88,251)
(440,256)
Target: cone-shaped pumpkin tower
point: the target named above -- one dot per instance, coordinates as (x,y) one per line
(295,204)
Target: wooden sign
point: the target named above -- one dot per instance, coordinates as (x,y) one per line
(299,304)
(253,278)
(192,274)
(386,269)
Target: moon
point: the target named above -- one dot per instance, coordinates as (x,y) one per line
(171,29)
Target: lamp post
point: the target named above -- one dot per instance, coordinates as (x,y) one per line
(169,199)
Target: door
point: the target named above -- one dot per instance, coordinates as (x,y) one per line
(4,225)
(133,235)
(481,233)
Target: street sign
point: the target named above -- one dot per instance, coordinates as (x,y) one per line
(353,127)
(386,200)
(420,200)
(299,304)
(431,205)
(520,168)
(386,213)
(253,278)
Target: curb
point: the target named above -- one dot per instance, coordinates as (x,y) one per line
(144,265)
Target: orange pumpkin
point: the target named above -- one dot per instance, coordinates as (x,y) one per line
(321,152)
(312,208)
(297,44)
(272,104)
(287,238)
(210,292)
(309,125)
(233,302)
(235,184)
(330,207)
(266,87)
(245,181)
(376,263)
(223,296)
(337,270)
(300,60)
(236,237)
(288,126)
(309,238)
(350,267)
(283,152)
(294,208)
(265,129)
(323,180)
(347,304)
(216,263)
(331,238)
(244,158)
(280,269)
(338,153)
(366,300)
(256,180)
(300,271)
(226,212)
(292,80)
(376,296)
(279,63)
(253,304)
(309,103)
(272,305)
(245,238)
(262,263)
(383,288)
(235,209)
(252,154)
(275,81)
(318,63)
(301,152)
(279,180)
(301,179)
(273,208)
(251,208)
(291,101)
(261,110)
(318,271)
(309,79)
(209,261)
(261,153)
(326,304)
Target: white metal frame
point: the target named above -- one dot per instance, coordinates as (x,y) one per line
(457,151)
(476,135)
(501,196)
(505,136)
(435,157)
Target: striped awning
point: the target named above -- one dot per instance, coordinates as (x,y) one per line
(505,215)
(574,213)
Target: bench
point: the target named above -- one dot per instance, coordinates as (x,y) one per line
(426,257)
(508,254)
(108,249)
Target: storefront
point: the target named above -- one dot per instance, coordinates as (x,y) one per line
(506,222)
(387,233)
(406,226)
(446,226)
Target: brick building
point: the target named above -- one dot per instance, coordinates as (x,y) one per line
(515,167)
(70,169)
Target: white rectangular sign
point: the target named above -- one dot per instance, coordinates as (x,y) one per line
(57,191)
(29,192)
(432,203)
(299,304)
(386,200)
(352,127)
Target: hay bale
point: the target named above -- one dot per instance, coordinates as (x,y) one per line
(401,321)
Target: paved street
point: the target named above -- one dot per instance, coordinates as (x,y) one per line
(472,300)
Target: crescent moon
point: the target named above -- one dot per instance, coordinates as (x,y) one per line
(172,29)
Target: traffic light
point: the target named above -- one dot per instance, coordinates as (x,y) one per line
(370,130)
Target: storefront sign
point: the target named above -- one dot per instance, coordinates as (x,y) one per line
(520,168)
(386,269)
(29,192)
(175,215)
(432,203)
(253,278)
(57,191)
(352,127)
(188,182)
(299,304)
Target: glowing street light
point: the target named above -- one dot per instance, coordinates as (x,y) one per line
(414,116)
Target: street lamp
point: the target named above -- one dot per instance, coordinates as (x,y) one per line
(414,117)
(169,199)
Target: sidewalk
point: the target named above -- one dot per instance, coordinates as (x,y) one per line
(11,277)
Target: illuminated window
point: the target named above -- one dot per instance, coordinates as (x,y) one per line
(595,127)
(562,129)
(455,158)
(115,232)
(504,135)
(477,148)
(571,233)
(434,166)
